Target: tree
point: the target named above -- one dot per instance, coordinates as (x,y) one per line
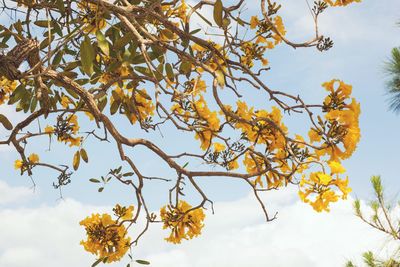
(393,85)
(383,218)
(144,61)
(392,69)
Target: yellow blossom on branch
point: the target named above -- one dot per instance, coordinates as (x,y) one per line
(184,222)
(18,164)
(106,238)
(33,158)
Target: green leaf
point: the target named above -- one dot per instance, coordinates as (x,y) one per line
(87,56)
(97,262)
(33,104)
(41,23)
(102,43)
(76,160)
(57,58)
(143,262)
(84,155)
(203,18)
(128,174)
(219,74)
(100,189)
(218,9)
(94,180)
(185,67)
(194,31)
(6,123)
(114,107)
(60,6)
(170,72)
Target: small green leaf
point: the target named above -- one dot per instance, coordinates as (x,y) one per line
(94,180)
(6,123)
(76,161)
(170,72)
(100,189)
(84,155)
(87,56)
(185,67)
(102,43)
(97,262)
(128,174)
(60,6)
(218,9)
(143,262)
(219,74)
(41,23)
(114,107)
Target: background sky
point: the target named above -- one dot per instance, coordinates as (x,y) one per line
(236,235)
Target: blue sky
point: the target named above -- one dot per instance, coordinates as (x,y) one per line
(363,34)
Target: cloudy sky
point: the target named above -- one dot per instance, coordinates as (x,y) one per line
(38,229)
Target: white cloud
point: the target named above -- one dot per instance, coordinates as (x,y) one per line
(234,236)
(10,194)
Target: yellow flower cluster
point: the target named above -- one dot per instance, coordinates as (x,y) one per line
(320,183)
(93,19)
(177,12)
(183,222)
(261,126)
(106,237)
(341,2)
(263,27)
(72,123)
(122,71)
(265,128)
(339,135)
(252,51)
(343,118)
(218,147)
(215,62)
(33,159)
(142,106)
(6,88)
(145,107)
(211,120)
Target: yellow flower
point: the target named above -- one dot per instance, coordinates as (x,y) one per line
(281,29)
(89,115)
(336,167)
(183,225)
(18,164)
(324,179)
(341,2)
(218,147)
(205,139)
(65,101)
(7,87)
(49,129)
(233,165)
(74,141)
(314,136)
(33,158)
(254,22)
(343,186)
(105,238)
(124,213)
